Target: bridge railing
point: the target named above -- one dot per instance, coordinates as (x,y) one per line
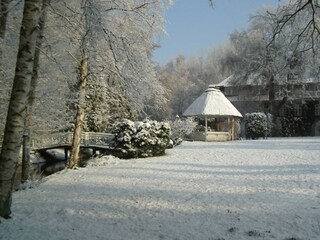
(45,139)
(94,138)
(87,138)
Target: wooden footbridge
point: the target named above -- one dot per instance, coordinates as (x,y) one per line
(48,141)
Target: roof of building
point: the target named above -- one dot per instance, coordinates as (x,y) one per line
(255,79)
(233,80)
(212,103)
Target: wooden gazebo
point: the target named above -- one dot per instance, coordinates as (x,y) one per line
(212,107)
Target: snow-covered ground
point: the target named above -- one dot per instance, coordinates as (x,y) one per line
(264,189)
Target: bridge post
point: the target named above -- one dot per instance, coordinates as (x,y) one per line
(25,157)
(66,154)
(86,138)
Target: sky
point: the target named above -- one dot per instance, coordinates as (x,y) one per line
(193,26)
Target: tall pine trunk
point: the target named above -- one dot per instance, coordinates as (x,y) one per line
(14,127)
(76,141)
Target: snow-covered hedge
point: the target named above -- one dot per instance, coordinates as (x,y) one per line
(256,125)
(181,128)
(142,138)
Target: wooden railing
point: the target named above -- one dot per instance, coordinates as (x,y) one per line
(87,138)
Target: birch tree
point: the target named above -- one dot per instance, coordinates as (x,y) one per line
(17,107)
(3,16)
(31,96)
(4,10)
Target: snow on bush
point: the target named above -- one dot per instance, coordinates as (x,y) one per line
(256,125)
(103,160)
(142,138)
(180,129)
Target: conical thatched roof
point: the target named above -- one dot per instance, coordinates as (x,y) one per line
(212,103)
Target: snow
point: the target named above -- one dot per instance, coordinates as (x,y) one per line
(212,103)
(250,189)
(254,79)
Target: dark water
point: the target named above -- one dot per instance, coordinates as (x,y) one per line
(49,162)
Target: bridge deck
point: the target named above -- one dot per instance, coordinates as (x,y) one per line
(43,140)
(68,146)
(95,141)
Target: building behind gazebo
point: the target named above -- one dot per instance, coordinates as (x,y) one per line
(216,114)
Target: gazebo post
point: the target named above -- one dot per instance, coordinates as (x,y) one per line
(206,127)
(232,128)
(229,129)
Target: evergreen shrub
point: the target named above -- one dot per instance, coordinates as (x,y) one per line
(292,126)
(256,125)
(142,138)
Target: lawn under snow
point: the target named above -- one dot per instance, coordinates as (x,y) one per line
(262,189)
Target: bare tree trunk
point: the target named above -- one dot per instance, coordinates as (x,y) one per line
(34,82)
(83,76)
(76,141)
(3,23)
(274,107)
(18,102)
(25,156)
(271,94)
(3,16)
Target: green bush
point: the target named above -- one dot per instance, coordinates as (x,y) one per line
(256,125)
(290,126)
(142,138)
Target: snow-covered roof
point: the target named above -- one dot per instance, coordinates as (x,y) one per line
(212,103)
(255,79)
(233,80)
(226,82)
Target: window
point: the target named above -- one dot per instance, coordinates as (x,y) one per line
(310,87)
(291,76)
(317,110)
(297,110)
(282,111)
(230,91)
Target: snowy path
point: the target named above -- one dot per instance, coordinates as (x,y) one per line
(266,189)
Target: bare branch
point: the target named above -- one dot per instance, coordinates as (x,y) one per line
(288,15)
